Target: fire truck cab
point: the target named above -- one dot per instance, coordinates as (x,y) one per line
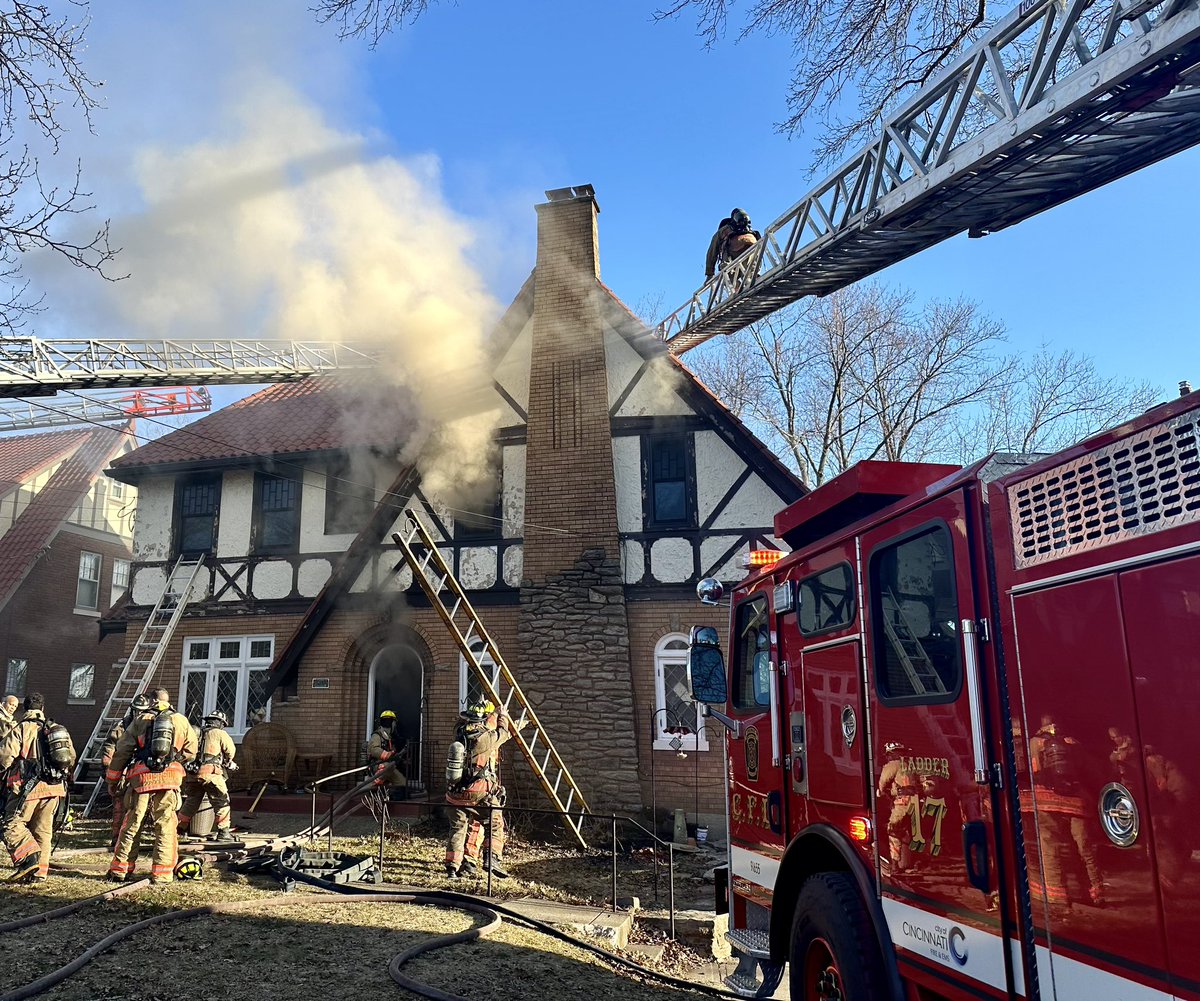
(963,728)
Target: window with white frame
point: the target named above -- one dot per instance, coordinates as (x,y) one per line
(470,690)
(674,709)
(87,588)
(226,673)
(16,676)
(120,580)
(116,489)
(81,684)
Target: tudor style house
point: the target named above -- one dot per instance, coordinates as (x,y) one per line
(66,534)
(620,482)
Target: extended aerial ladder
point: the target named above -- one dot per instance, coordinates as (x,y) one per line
(140,668)
(1058,98)
(31,366)
(22,415)
(434,577)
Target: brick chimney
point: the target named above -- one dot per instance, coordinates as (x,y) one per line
(573,634)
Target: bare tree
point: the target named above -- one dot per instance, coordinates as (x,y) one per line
(1052,400)
(874,51)
(867,373)
(40,70)
(370,19)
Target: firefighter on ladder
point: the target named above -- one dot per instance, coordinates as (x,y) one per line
(734,236)
(116,788)
(36,757)
(208,775)
(473,785)
(158,744)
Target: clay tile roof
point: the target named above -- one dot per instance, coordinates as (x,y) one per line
(22,456)
(332,411)
(36,526)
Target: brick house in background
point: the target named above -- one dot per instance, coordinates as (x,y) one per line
(620,481)
(66,535)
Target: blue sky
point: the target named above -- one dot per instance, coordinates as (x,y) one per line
(508,99)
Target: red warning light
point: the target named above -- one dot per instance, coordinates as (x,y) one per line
(860,829)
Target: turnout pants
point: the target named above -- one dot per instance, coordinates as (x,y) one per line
(466,834)
(29,830)
(194,791)
(118,805)
(160,807)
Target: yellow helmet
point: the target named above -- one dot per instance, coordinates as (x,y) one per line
(189,868)
(386,714)
(480,710)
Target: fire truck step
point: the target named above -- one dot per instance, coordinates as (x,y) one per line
(754,942)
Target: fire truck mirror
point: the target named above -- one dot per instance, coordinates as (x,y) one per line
(706,672)
(710,591)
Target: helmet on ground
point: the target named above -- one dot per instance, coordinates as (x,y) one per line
(479,710)
(217,717)
(189,868)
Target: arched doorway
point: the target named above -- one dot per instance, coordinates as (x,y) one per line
(397,682)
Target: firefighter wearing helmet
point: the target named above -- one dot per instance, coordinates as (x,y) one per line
(472,785)
(155,748)
(208,776)
(734,236)
(36,758)
(116,788)
(386,750)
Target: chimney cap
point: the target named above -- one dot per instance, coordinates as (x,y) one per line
(571,193)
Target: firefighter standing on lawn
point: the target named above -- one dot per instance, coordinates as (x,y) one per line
(36,758)
(155,747)
(116,788)
(207,776)
(481,732)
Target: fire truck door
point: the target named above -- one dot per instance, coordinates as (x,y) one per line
(929,773)
(757,808)
(1095,902)
(1161,606)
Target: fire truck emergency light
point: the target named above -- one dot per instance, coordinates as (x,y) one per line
(758,559)
(860,829)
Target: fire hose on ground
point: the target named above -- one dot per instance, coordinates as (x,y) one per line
(493,912)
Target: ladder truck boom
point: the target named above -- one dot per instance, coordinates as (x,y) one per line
(1057,99)
(31,366)
(20,415)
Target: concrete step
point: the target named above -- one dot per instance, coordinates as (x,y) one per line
(702,930)
(600,922)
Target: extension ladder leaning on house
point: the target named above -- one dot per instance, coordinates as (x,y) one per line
(430,571)
(139,670)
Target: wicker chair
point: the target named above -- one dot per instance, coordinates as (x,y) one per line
(268,754)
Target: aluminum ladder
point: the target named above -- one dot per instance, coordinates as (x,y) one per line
(434,576)
(140,668)
(917,665)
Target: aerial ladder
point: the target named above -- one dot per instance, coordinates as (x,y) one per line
(32,366)
(100,408)
(138,671)
(450,601)
(1056,99)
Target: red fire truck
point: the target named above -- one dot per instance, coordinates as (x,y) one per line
(963,728)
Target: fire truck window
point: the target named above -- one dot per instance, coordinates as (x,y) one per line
(827,600)
(916,619)
(752,655)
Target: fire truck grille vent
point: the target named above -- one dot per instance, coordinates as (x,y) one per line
(1145,483)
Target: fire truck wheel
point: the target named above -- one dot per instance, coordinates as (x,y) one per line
(834,956)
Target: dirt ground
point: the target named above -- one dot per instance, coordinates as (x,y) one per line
(310,945)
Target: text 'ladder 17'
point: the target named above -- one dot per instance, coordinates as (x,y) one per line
(476,645)
(139,670)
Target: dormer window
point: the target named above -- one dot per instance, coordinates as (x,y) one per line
(276,514)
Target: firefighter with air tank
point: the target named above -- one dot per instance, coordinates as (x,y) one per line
(156,747)
(116,787)
(473,785)
(386,750)
(36,757)
(207,776)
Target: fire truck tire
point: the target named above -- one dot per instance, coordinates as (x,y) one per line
(834,955)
